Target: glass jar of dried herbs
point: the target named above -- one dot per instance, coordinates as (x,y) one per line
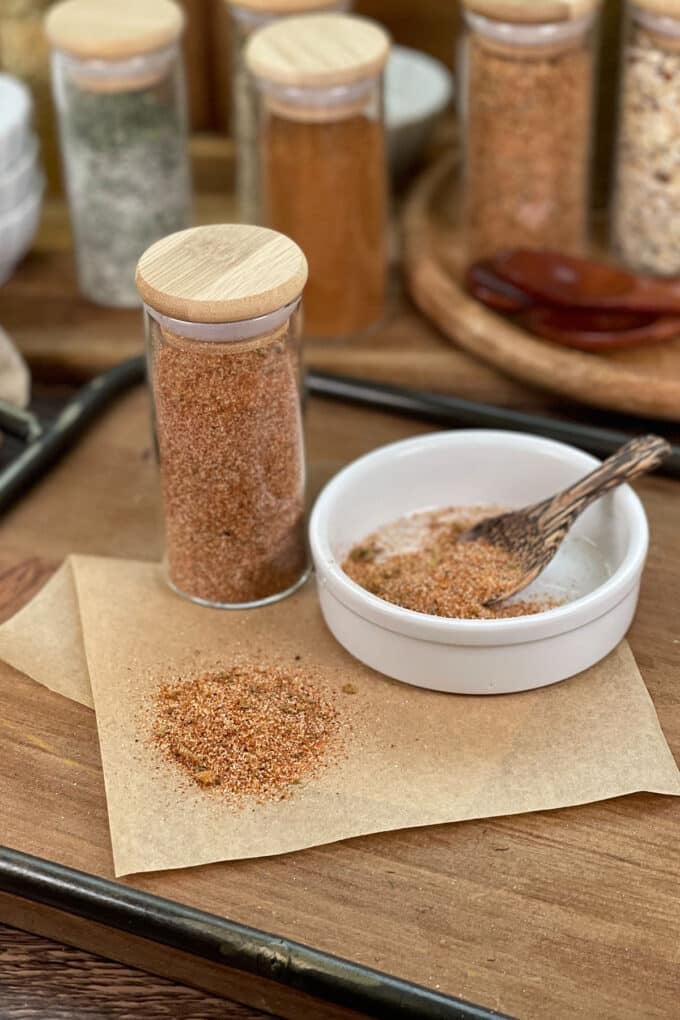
(119,90)
(528,97)
(222,324)
(322,160)
(246,17)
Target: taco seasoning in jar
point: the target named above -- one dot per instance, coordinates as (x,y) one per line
(528,93)
(246,16)
(322,154)
(646,214)
(222,313)
(118,85)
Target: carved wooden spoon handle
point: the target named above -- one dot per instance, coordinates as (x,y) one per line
(633,459)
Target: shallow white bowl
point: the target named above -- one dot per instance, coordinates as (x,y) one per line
(467,468)
(418,89)
(18,229)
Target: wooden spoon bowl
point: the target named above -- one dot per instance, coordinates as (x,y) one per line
(570,282)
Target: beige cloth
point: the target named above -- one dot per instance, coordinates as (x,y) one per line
(414,757)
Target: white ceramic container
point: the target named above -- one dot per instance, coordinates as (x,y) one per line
(18,228)
(21,179)
(16,107)
(598,568)
(418,89)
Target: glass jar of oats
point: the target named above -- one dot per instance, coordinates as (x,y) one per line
(528,98)
(646,214)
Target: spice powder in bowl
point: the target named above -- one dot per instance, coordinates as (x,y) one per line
(416,562)
(254,731)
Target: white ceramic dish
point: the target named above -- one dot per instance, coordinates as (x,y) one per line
(20,179)
(418,89)
(17,230)
(16,106)
(598,568)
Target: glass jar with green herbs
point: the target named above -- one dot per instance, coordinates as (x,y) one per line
(118,86)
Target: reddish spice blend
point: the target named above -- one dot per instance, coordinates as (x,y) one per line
(323,185)
(254,731)
(417,563)
(527,149)
(231,447)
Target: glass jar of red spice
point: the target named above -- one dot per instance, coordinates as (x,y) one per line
(222,325)
(323,173)
(246,16)
(528,100)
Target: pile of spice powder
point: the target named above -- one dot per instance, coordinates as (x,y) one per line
(323,184)
(416,562)
(647,205)
(231,446)
(253,731)
(527,153)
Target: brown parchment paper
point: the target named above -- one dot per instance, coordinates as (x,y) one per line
(413,757)
(45,639)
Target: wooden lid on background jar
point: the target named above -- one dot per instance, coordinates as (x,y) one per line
(318,51)
(530,12)
(221,273)
(664,8)
(278,7)
(113,29)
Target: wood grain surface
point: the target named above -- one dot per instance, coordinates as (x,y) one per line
(43,980)
(640,380)
(566,914)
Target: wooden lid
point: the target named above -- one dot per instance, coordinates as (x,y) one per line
(275,7)
(532,11)
(319,50)
(221,273)
(113,29)
(664,8)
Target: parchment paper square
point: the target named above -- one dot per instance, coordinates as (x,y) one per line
(414,757)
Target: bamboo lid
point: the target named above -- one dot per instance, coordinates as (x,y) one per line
(532,11)
(318,51)
(221,273)
(113,29)
(276,7)
(663,8)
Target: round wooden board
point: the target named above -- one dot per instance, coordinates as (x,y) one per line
(643,381)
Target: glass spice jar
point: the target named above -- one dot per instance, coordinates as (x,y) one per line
(118,85)
(246,17)
(322,160)
(222,326)
(646,212)
(528,117)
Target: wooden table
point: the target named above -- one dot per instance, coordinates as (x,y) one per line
(572,913)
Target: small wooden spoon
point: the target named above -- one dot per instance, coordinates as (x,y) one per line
(592,330)
(493,291)
(533,535)
(572,282)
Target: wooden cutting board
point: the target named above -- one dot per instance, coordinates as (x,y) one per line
(567,914)
(643,381)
